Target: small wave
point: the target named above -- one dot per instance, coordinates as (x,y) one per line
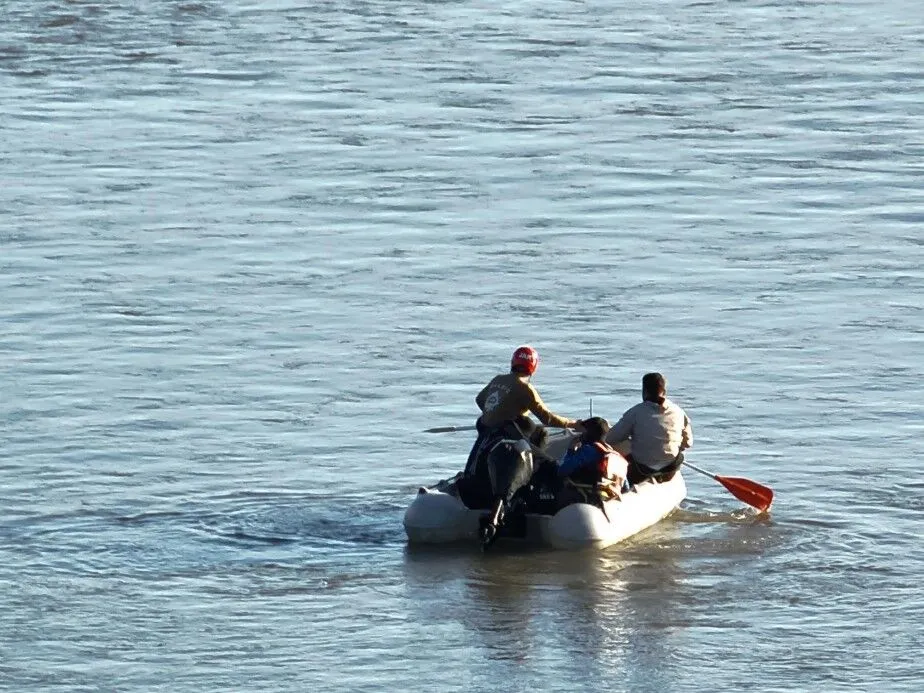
(693,512)
(265,518)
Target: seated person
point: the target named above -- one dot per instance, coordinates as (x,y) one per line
(591,462)
(659,431)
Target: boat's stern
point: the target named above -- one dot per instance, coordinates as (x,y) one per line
(434,517)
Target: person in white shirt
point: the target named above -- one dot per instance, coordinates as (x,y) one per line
(658,429)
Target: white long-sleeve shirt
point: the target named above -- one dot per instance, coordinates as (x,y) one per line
(658,433)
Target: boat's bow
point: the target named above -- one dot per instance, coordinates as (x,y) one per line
(581,525)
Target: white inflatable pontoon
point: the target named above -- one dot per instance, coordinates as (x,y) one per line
(437,517)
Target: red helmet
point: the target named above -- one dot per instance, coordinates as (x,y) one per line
(525,360)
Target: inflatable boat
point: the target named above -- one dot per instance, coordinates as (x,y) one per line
(437,516)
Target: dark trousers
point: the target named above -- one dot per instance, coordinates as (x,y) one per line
(521,427)
(639,472)
(509,469)
(480,441)
(475,487)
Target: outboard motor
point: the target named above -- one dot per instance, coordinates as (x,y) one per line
(510,466)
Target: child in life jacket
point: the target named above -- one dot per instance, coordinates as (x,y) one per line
(591,461)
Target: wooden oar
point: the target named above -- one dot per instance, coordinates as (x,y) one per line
(750,492)
(448,429)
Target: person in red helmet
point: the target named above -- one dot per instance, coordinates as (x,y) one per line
(505,405)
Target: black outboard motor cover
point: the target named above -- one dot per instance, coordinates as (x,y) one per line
(510,466)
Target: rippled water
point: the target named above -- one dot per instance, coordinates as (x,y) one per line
(249,250)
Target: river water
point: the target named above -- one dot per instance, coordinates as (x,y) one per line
(250,250)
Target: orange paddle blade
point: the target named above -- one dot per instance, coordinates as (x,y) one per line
(750,492)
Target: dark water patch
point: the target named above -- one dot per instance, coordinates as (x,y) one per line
(60,21)
(151,517)
(250,537)
(903,217)
(476,102)
(193,8)
(30,73)
(12,51)
(238,76)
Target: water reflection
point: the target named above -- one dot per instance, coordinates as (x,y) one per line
(596,617)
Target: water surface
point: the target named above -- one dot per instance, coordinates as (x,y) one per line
(249,250)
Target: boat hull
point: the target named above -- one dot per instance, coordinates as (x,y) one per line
(436,517)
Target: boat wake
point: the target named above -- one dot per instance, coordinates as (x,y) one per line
(696,512)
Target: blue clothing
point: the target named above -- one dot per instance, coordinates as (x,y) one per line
(588,455)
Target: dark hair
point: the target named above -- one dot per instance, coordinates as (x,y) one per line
(654,387)
(595,429)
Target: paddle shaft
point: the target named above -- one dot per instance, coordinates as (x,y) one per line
(700,470)
(449,429)
(452,429)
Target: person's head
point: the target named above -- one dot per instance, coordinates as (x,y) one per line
(595,429)
(525,360)
(654,388)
